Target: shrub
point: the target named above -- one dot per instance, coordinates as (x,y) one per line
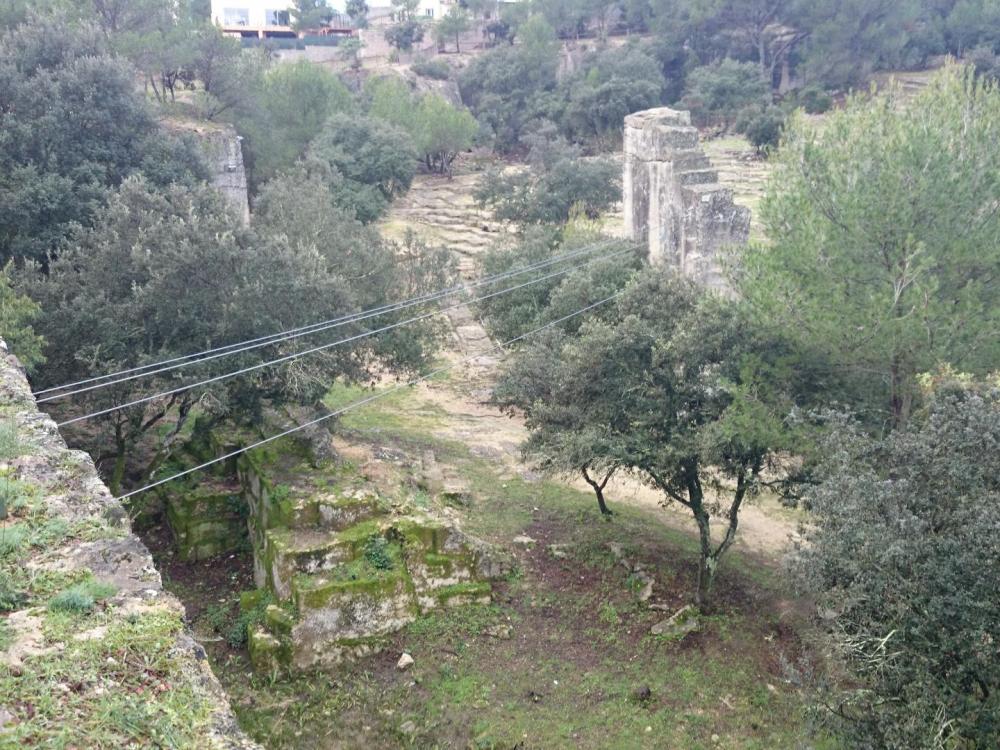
(377,553)
(762,127)
(716,93)
(439,70)
(814,100)
(904,555)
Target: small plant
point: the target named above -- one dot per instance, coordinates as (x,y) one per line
(609,614)
(377,553)
(10,597)
(280,493)
(82,597)
(239,633)
(12,539)
(10,442)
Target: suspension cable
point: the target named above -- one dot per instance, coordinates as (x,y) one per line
(367,400)
(186,360)
(323,347)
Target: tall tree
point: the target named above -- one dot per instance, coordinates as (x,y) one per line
(71,127)
(294,103)
(166,273)
(883,252)
(452,26)
(376,159)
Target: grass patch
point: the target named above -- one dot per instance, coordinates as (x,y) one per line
(121,690)
(81,597)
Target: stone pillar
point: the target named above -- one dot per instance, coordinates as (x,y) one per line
(672,197)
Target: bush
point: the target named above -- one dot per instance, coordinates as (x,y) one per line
(762,127)
(439,70)
(814,100)
(903,553)
(558,182)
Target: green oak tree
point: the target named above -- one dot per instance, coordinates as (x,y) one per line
(375,158)
(675,388)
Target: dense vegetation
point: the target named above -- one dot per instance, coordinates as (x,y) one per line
(830,378)
(880,263)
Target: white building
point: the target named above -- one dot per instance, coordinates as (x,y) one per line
(272,18)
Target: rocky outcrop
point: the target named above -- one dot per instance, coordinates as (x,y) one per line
(65,539)
(223,152)
(672,196)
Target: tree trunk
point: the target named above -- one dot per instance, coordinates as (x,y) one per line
(598,489)
(707,562)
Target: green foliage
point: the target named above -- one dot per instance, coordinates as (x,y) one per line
(716,93)
(295,102)
(310,14)
(11,445)
(376,159)
(509,315)
(814,100)
(762,127)
(438,129)
(506,88)
(404,35)
(671,384)
(452,25)
(904,555)
(608,86)
(558,182)
(17,313)
(82,597)
(874,262)
(437,69)
(377,553)
(72,127)
(442,131)
(358,12)
(236,628)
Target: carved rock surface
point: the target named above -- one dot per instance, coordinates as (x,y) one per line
(672,197)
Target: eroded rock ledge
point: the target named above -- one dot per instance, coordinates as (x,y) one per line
(93,651)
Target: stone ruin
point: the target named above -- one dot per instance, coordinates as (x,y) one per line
(338,566)
(344,570)
(673,199)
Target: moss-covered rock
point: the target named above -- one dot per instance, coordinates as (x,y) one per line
(206,521)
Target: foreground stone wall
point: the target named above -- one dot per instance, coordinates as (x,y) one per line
(672,197)
(72,532)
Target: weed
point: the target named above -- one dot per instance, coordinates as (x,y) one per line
(82,597)
(421,499)
(10,597)
(10,442)
(609,614)
(13,539)
(377,553)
